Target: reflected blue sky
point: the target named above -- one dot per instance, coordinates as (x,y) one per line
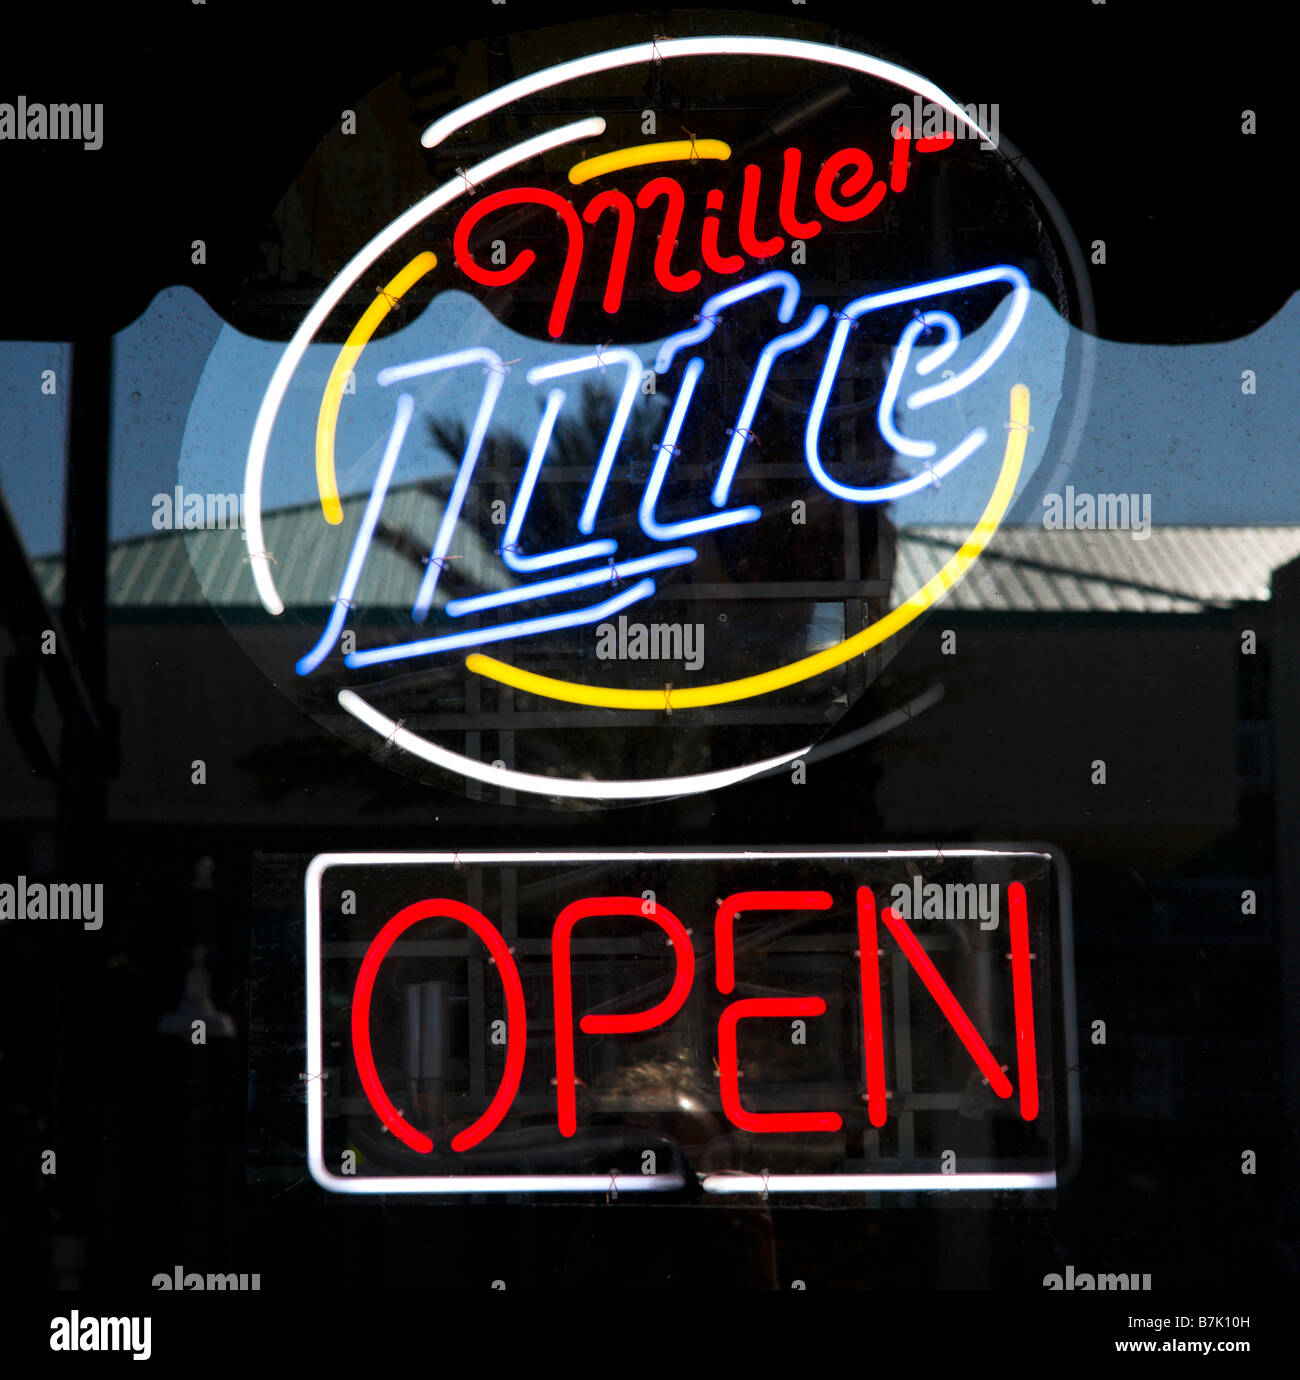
(1171,421)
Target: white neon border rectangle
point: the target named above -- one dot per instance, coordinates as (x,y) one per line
(728,1183)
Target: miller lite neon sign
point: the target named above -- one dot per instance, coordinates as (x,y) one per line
(764,327)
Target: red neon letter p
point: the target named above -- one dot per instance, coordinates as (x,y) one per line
(561,968)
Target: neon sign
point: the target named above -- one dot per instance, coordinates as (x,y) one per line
(596,991)
(733,361)
(610,572)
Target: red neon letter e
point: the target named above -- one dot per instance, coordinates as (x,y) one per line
(516,1023)
(729,1067)
(561,968)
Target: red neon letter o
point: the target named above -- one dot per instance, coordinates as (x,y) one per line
(516,1022)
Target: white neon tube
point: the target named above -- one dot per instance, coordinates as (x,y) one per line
(876,1183)
(474,637)
(352,574)
(590,550)
(507,780)
(495,372)
(564,584)
(618,423)
(726,45)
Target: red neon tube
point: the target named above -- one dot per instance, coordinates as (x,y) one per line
(561,973)
(729,1067)
(794,227)
(854,183)
(672,189)
(873,1031)
(718,262)
(951,1007)
(898,163)
(524,260)
(1022,987)
(745,227)
(725,924)
(625,220)
(516,1022)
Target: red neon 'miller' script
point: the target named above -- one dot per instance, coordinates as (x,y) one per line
(561,969)
(672,189)
(516,1022)
(502,277)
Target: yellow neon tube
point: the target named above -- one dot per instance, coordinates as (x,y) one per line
(674,151)
(327,419)
(894,621)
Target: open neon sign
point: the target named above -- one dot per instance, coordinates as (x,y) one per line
(702,958)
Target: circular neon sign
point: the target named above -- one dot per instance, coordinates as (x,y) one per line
(739,352)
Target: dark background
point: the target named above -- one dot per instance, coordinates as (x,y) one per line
(209,111)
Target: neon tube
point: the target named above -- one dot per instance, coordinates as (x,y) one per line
(259,558)
(327,419)
(994,1182)
(495,374)
(720,301)
(352,572)
(618,423)
(516,1023)
(724,924)
(682,555)
(1022,986)
(524,260)
(904,445)
(873,1028)
(923,396)
(758,380)
(724,692)
(729,1067)
(625,221)
(562,986)
(948,1004)
(690,527)
(509,552)
(403,651)
(661,49)
(672,151)
(507,780)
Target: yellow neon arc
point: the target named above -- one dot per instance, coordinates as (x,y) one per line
(327,418)
(779,677)
(674,151)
